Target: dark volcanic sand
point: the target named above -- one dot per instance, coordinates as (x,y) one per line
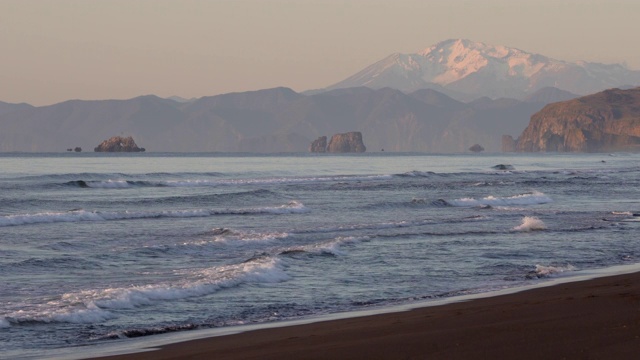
(593,319)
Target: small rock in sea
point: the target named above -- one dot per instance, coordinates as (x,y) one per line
(504,167)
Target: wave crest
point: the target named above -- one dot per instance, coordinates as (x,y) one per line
(531,223)
(94,306)
(207,281)
(121,183)
(292,207)
(533,198)
(225,235)
(545,271)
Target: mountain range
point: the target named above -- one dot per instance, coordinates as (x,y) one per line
(466,70)
(444,99)
(274,120)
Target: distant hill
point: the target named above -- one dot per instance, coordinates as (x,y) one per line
(466,70)
(272,120)
(8,107)
(181,99)
(549,95)
(602,122)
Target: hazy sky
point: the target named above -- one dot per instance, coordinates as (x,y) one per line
(51,51)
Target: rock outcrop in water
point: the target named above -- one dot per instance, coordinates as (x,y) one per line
(476,148)
(118,144)
(319,145)
(503,167)
(350,142)
(602,122)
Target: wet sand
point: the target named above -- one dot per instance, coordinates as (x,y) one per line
(592,319)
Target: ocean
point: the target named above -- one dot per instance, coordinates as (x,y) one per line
(102,249)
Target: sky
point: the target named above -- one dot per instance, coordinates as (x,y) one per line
(52,51)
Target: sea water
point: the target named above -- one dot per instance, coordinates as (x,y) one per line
(102,248)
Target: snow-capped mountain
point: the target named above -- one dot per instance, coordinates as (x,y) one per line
(467,69)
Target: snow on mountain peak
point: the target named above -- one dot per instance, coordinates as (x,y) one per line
(460,47)
(461,57)
(467,67)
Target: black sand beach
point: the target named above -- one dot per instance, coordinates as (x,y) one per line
(592,319)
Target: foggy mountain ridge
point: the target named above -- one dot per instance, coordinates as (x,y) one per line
(273,120)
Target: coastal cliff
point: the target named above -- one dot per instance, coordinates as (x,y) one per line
(118,144)
(602,122)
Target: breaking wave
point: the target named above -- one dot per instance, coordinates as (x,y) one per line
(94,306)
(545,271)
(531,223)
(225,235)
(78,315)
(133,333)
(203,282)
(330,247)
(533,198)
(292,207)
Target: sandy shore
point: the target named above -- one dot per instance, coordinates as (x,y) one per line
(593,319)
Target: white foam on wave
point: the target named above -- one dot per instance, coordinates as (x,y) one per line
(531,223)
(108,184)
(240,236)
(59,311)
(332,246)
(533,198)
(543,271)
(292,207)
(99,305)
(90,315)
(198,283)
(269,181)
(49,217)
(84,215)
(627,213)
(189,183)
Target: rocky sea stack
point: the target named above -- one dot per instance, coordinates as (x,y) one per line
(476,148)
(119,144)
(319,145)
(350,142)
(602,122)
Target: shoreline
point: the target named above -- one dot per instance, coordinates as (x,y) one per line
(597,312)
